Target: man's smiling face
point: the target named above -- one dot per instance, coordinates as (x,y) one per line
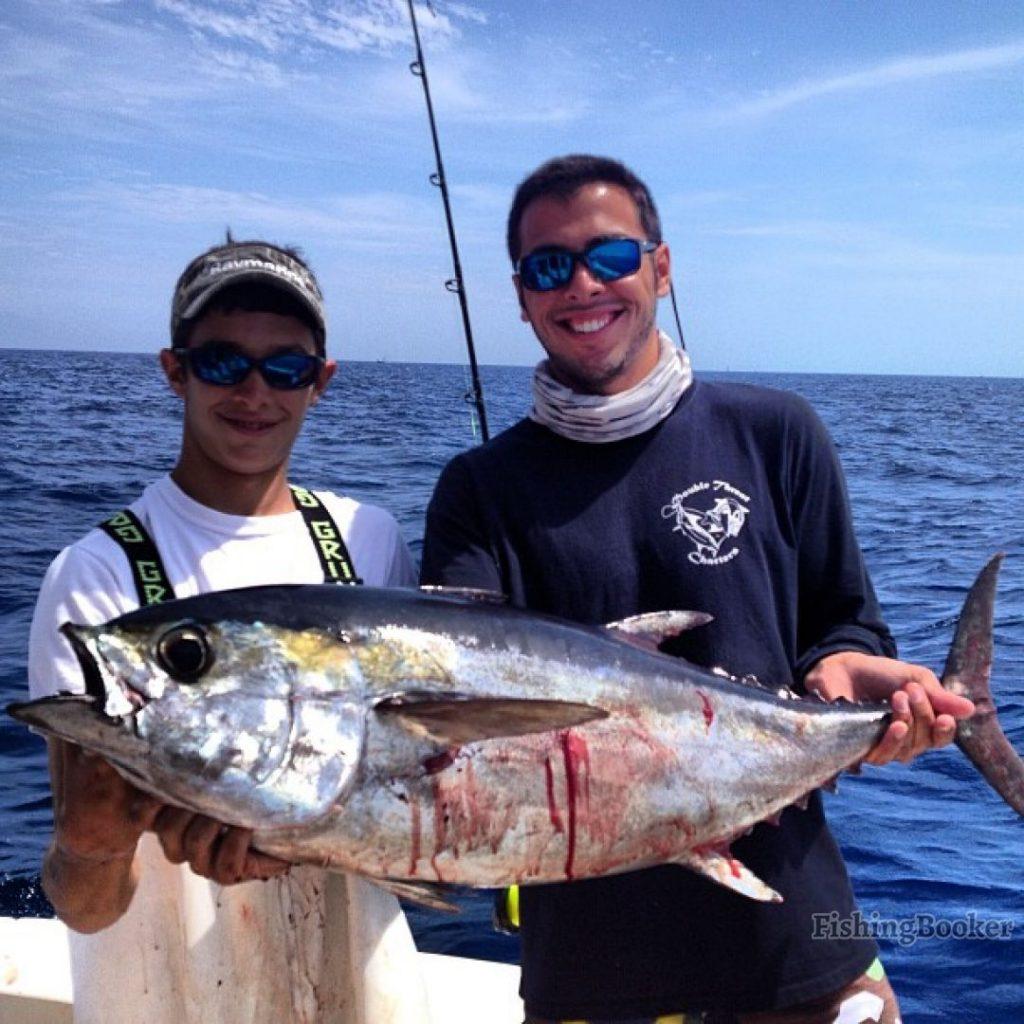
(600,336)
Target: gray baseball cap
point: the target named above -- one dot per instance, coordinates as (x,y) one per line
(238,262)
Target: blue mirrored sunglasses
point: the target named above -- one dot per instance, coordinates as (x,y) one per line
(221,363)
(544,270)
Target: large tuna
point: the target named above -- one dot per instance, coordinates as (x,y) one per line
(429,737)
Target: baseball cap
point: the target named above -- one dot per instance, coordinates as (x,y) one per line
(244,262)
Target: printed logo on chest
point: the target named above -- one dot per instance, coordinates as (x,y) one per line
(710,516)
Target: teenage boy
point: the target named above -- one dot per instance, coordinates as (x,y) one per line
(634,486)
(174,916)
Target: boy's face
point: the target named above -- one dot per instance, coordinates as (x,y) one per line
(245,429)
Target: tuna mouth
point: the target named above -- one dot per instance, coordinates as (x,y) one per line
(115,698)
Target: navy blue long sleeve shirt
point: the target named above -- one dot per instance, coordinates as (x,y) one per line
(735,505)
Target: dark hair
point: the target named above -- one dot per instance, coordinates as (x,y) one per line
(249,296)
(253,297)
(564,176)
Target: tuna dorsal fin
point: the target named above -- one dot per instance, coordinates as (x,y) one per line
(467,593)
(652,628)
(967,672)
(425,894)
(722,867)
(456,718)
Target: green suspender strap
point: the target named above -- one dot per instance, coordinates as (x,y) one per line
(153,585)
(151,582)
(323,531)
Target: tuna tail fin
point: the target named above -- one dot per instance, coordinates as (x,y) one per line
(967,672)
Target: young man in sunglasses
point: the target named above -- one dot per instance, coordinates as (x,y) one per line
(181,920)
(634,486)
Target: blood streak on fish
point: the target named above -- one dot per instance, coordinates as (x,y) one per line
(440,825)
(549,781)
(575,753)
(709,711)
(417,825)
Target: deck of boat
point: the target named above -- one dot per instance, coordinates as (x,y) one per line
(35,980)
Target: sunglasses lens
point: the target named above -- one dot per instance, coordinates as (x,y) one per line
(545,271)
(218,364)
(548,269)
(289,370)
(225,366)
(613,259)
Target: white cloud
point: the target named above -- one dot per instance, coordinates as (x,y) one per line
(351,26)
(368,220)
(232,65)
(906,69)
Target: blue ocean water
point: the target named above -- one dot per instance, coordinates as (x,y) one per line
(934,470)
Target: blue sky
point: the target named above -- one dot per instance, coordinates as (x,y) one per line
(840,182)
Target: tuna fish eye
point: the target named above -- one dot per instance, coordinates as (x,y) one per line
(184,653)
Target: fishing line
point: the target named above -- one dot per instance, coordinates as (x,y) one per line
(675,311)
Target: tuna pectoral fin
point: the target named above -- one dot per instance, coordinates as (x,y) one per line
(425,894)
(456,718)
(723,868)
(652,628)
(967,672)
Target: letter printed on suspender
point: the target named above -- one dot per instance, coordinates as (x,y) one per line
(153,585)
(323,531)
(151,582)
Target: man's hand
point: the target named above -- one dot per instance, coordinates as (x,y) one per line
(98,817)
(216,851)
(924,714)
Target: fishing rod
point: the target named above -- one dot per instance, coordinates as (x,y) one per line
(675,310)
(475,395)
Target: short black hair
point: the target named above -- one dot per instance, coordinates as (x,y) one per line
(252,297)
(563,176)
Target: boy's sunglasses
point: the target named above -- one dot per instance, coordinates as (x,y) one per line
(544,270)
(222,364)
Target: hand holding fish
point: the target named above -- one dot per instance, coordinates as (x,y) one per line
(924,714)
(98,819)
(98,815)
(216,851)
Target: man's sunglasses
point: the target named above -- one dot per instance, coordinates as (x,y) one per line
(544,270)
(222,364)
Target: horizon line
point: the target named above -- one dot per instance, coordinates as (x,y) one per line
(526,366)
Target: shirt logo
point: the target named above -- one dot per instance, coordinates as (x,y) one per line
(710,515)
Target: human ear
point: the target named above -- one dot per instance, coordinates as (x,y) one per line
(327,371)
(523,315)
(663,269)
(174,371)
